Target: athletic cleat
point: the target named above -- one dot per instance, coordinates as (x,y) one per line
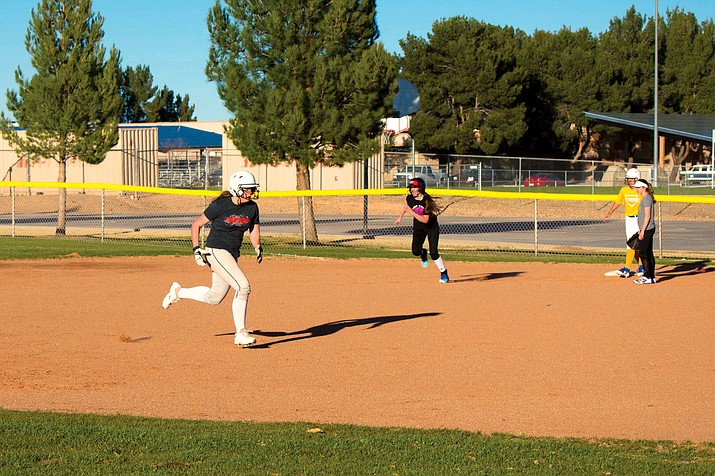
(643,280)
(640,271)
(624,272)
(443,277)
(172,296)
(423,257)
(242,338)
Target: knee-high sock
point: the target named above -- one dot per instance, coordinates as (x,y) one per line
(238,306)
(440,264)
(630,255)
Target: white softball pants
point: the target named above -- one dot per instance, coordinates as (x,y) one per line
(225,274)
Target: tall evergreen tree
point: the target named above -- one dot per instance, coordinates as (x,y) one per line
(138,94)
(625,64)
(687,76)
(470,86)
(70,107)
(306,81)
(565,65)
(144,102)
(174,108)
(688,68)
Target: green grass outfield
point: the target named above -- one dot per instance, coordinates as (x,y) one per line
(52,443)
(48,248)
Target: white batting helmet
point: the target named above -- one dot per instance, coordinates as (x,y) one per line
(241,180)
(633,173)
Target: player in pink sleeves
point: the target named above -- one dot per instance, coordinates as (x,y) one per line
(424,212)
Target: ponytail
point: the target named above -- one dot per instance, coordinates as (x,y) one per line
(224,194)
(431,206)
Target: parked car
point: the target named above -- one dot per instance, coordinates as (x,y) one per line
(470,177)
(542,179)
(425,172)
(697,174)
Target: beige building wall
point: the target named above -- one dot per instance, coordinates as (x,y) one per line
(282,177)
(111,170)
(134,160)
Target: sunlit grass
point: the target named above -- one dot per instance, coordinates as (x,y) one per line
(51,443)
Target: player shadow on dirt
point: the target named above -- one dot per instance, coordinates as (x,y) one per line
(330,328)
(485,277)
(665,273)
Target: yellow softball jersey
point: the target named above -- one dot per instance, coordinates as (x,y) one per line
(630,199)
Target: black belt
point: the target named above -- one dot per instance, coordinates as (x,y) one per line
(631,216)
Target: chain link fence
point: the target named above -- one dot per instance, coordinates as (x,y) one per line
(484,172)
(470,221)
(203,169)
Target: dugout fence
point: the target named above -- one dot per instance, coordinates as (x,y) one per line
(472,221)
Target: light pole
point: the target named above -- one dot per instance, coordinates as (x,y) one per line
(655,100)
(414,169)
(712,158)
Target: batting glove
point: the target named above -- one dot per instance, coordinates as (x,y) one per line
(259,254)
(200,255)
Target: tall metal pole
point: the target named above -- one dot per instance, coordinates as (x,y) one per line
(412,142)
(656,144)
(712,160)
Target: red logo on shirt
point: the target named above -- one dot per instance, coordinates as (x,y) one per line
(237,220)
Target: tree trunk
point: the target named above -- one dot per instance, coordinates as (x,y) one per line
(62,208)
(584,139)
(679,153)
(306,216)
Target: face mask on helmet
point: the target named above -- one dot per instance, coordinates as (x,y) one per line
(241,183)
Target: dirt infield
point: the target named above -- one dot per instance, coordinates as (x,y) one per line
(531,349)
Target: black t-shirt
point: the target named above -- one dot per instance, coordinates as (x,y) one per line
(419,207)
(229,222)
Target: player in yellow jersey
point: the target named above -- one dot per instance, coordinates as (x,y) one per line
(629,197)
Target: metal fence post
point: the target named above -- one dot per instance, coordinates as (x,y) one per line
(101,239)
(136,171)
(302,225)
(536,227)
(519,176)
(29,178)
(12,198)
(660,233)
(202,241)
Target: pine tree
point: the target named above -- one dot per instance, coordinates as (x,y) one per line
(470,86)
(138,94)
(624,64)
(306,81)
(688,67)
(144,102)
(563,64)
(70,107)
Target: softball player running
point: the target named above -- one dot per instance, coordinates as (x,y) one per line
(231,214)
(629,197)
(424,212)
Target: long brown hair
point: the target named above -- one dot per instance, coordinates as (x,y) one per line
(431,207)
(224,194)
